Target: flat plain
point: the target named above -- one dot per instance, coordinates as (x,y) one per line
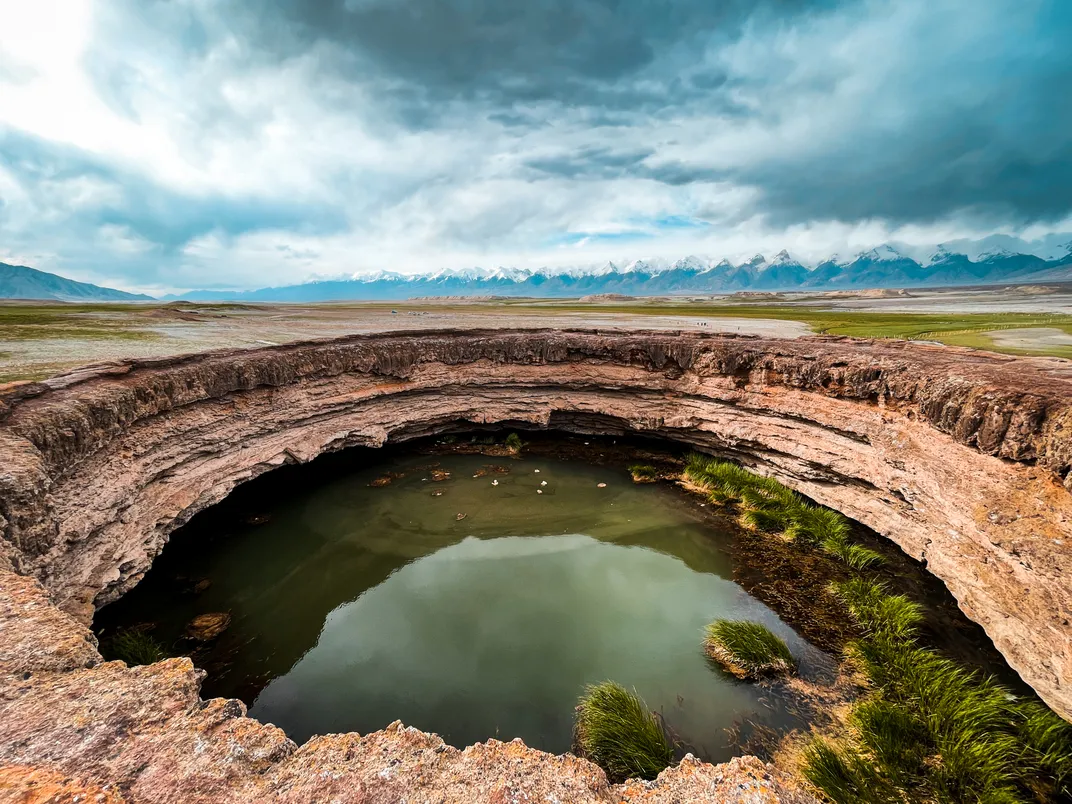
(39,339)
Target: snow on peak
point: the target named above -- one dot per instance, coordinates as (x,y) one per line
(995,253)
(690,263)
(600,270)
(722,265)
(380,276)
(784,258)
(883,253)
(757,261)
(941,253)
(836,259)
(639,266)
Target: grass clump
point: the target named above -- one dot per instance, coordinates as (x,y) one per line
(134,646)
(514,442)
(747,649)
(615,730)
(882,615)
(643,473)
(855,555)
(933,730)
(843,775)
(767,505)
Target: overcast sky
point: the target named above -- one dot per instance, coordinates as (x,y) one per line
(172,144)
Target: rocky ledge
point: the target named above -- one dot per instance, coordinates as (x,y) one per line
(960,457)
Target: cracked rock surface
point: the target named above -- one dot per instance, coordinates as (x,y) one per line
(960,457)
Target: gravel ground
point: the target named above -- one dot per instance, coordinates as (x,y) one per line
(169,331)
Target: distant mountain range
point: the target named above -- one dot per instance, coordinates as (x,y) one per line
(20,282)
(882,267)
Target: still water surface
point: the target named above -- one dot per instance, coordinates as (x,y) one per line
(355,605)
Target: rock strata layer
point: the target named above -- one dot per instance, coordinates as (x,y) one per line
(960,457)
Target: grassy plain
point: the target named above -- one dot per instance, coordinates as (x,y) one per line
(38,339)
(954,329)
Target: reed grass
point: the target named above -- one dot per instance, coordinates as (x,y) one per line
(643,473)
(855,555)
(134,646)
(767,505)
(933,730)
(747,649)
(880,613)
(615,729)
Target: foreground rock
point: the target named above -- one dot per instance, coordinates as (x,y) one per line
(962,458)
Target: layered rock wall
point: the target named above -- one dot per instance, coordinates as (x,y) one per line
(962,458)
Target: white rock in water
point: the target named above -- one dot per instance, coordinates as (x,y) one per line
(543,482)
(601,485)
(539,491)
(494,482)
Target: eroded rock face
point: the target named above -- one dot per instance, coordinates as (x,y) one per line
(960,457)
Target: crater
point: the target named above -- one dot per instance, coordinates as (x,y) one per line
(105,463)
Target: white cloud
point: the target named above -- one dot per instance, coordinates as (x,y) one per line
(183,166)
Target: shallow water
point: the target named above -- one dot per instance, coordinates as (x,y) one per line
(360,605)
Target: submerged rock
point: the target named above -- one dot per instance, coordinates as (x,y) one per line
(206,627)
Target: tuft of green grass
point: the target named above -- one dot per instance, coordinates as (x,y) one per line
(878,612)
(845,777)
(1048,741)
(767,505)
(615,730)
(855,555)
(723,480)
(643,473)
(933,730)
(514,442)
(818,525)
(896,736)
(747,649)
(133,646)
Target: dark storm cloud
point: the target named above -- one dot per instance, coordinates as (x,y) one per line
(527,50)
(1007,155)
(983,130)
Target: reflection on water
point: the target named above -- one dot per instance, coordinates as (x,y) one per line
(360,605)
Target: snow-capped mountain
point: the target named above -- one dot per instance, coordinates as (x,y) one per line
(881,267)
(883,253)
